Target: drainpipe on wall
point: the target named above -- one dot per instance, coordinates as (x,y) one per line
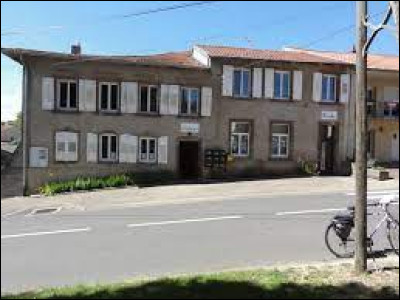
(25,122)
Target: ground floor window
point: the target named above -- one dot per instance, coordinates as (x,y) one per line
(240,139)
(66,146)
(280,140)
(148,151)
(108,147)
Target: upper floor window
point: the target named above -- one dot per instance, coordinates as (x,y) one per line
(108,147)
(109,96)
(148,148)
(329,84)
(282,85)
(67,94)
(190,101)
(148,99)
(241,83)
(240,139)
(280,135)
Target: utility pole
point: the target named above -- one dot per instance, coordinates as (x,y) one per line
(395,8)
(361,144)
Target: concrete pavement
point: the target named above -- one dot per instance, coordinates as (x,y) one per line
(116,244)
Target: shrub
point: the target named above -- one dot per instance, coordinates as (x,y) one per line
(84,184)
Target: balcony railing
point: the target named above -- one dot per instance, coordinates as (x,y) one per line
(385,110)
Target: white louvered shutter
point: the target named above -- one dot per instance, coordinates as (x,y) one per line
(269,83)
(163,150)
(298,85)
(317,87)
(72,146)
(87,95)
(206,101)
(174,92)
(129,97)
(257,83)
(48,94)
(345,88)
(128,148)
(164,100)
(227,81)
(91,147)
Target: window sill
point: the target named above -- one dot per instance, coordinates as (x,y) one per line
(283,159)
(108,162)
(181,116)
(66,110)
(148,114)
(323,102)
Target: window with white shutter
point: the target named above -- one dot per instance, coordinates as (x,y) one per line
(241,83)
(148,150)
(174,92)
(108,147)
(345,88)
(269,83)
(190,101)
(67,94)
(317,87)
(66,146)
(257,83)
(282,85)
(227,81)
(148,99)
(87,95)
(329,88)
(297,85)
(109,96)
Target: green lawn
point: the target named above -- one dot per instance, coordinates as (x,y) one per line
(293,283)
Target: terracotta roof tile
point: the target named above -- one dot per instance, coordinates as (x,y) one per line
(174,59)
(375,61)
(268,55)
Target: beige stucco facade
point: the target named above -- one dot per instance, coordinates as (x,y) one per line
(305,117)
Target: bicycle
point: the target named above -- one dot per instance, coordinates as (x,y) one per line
(339,237)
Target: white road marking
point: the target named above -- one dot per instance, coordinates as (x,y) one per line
(306,212)
(13,236)
(185,221)
(388,192)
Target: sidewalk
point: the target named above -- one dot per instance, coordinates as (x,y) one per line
(133,196)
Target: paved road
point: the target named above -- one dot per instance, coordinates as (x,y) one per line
(68,248)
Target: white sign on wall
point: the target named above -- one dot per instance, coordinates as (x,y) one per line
(329,116)
(192,128)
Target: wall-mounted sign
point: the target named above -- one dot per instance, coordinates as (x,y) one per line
(192,128)
(329,116)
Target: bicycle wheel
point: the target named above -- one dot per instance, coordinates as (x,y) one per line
(341,248)
(393,235)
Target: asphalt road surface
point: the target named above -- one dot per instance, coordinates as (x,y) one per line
(67,248)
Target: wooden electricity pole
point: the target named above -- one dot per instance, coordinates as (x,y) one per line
(361,143)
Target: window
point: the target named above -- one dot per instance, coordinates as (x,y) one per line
(67,94)
(66,146)
(108,147)
(282,85)
(391,109)
(148,148)
(241,83)
(329,88)
(190,99)
(148,99)
(240,139)
(109,96)
(280,135)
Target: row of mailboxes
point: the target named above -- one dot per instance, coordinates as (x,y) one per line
(214,158)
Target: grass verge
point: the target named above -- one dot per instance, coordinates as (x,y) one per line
(325,282)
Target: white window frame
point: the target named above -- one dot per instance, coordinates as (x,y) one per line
(280,136)
(147,160)
(68,82)
(63,155)
(281,74)
(149,87)
(240,137)
(241,94)
(189,108)
(109,158)
(109,84)
(329,92)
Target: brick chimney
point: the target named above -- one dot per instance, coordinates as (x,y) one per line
(76,49)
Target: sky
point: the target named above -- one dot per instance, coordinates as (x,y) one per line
(104,27)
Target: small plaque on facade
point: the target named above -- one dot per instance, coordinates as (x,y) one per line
(192,128)
(329,116)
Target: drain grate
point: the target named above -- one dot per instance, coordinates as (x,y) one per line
(43,211)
